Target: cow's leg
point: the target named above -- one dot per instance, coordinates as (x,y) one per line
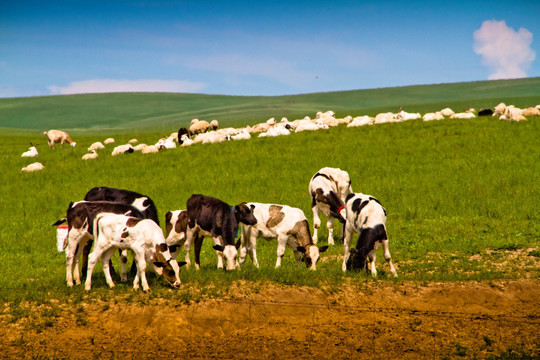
(297,254)
(105,259)
(92,260)
(346,246)
(282,242)
(372,255)
(219,253)
(190,237)
(388,257)
(72,250)
(198,246)
(330,226)
(85,252)
(123,262)
(252,249)
(242,252)
(316,223)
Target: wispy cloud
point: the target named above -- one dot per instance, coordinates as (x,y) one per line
(112,85)
(505,51)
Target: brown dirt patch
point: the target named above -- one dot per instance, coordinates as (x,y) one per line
(368,321)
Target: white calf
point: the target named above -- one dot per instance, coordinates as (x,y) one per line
(328,189)
(143,237)
(289,225)
(366,216)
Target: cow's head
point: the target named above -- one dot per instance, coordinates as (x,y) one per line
(230,253)
(165,265)
(244,214)
(311,254)
(356,260)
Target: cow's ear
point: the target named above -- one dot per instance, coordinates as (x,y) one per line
(252,207)
(218,247)
(182,263)
(161,247)
(323,248)
(301,249)
(158,264)
(173,248)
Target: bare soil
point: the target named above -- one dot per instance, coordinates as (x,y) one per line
(375,320)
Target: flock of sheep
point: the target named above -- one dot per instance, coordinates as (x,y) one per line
(204,132)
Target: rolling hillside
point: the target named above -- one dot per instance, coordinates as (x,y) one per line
(94,113)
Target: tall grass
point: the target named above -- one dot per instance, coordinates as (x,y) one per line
(453,187)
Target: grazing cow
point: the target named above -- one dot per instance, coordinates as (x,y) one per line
(208,216)
(80,218)
(143,237)
(139,201)
(328,189)
(366,216)
(289,225)
(57,136)
(175,231)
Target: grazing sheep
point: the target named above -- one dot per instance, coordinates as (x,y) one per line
(242,135)
(152,149)
(108,141)
(58,136)
(464,115)
(360,121)
(140,147)
(199,127)
(447,112)
(32,152)
(186,141)
(92,155)
(133,141)
(122,149)
(531,111)
(168,143)
(214,125)
(405,116)
(33,167)
(96,146)
(433,116)
(500,109)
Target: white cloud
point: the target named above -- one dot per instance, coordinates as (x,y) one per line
(111,85)
(506,52)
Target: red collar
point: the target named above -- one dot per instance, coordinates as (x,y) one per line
(340,208)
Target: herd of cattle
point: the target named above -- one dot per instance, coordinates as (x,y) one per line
(113,219)
(204,132)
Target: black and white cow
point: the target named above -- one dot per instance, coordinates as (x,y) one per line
(142,202)
(143,237)
(289,225)
(208,216)
(366,216)
(328,189)
(80,218)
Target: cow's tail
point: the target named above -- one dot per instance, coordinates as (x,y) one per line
(59,221)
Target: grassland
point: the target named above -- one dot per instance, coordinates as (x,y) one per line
(124,113)
(460,195)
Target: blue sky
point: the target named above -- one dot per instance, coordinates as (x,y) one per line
(261,47)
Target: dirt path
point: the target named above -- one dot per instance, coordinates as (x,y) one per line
(389,321)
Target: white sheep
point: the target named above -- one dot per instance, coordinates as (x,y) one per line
(122,149)
(168,143)
(96,146)
(93,155)
(199,127)
(152,149)
(433,116)
(186,141)
(33,167)
(242,135)
(32,152)
(214,125)
(310,127)
(447,112)
(108,141)
(140,147)
(360,121)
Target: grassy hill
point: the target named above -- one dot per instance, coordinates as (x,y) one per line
(146,112)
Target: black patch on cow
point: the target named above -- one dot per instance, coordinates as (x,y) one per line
(366,242)
(349,196)
(378,202)
(323,175)
(104,193)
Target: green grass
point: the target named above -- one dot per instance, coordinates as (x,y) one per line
(455,190)
(121,113)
